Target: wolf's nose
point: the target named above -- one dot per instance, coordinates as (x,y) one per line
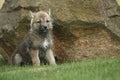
(45,27)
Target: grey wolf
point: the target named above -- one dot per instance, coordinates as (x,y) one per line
(37,42)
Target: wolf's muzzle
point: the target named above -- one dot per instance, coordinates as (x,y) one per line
(43,28)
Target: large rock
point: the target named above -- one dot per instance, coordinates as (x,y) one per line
(82,28)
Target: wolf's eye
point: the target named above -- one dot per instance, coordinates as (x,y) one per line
(47,21)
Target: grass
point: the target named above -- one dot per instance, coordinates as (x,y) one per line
(118,1)
(2,60)
(1,3)
(91,69)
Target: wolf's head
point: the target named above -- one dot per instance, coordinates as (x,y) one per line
(41,22)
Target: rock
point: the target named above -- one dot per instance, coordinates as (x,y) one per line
(82,28)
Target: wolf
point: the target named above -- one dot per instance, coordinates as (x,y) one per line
(38,42)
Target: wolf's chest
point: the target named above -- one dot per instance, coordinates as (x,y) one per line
(41,43)
(45,43)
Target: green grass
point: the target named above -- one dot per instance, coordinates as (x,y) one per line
(1,3)
(118,1)
(91,69)
(2,60)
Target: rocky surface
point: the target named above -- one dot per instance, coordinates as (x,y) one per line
(82,28)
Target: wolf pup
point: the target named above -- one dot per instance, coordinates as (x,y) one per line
(37,42)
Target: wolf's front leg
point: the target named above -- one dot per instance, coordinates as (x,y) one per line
(50,57)
(35,57)
(17,59)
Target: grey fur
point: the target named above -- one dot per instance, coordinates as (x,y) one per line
(37,43)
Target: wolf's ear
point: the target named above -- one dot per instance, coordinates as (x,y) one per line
(49,12)
(31,14)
